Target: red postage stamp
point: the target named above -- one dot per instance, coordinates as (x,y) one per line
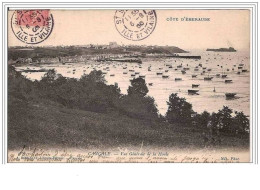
(32,26)
(32,17)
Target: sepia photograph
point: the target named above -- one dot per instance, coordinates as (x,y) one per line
(129,85)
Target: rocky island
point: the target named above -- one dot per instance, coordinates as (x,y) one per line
(230,49)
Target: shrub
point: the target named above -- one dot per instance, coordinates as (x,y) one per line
(88,93)
(179,110)
(18,85)
(226,119)
(138,107)
(241,123)
(136,104)
(202,119)
(93,77)
(138,87)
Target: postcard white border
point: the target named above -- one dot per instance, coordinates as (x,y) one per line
(133,176)
(73,6)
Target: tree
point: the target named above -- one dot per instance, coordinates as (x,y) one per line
(138,87)
(215,120)
(94,77)
(60,80)
(49,77)
(203,118)
(241,123)
(179,110)
(138,107)
(225,115)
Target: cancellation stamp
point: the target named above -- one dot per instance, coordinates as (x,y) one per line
(135,25)
(32,26)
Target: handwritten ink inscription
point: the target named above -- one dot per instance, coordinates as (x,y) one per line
(67,156)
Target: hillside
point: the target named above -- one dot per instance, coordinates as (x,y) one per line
(76,114)
(42,52)
(46,124)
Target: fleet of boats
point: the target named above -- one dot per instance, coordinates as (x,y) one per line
(165,72)
(184,71)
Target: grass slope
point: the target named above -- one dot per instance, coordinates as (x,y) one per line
(47,124)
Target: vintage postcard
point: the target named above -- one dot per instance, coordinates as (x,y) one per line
(129,85)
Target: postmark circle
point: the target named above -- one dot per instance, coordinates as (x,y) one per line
(32,26)
(135,25)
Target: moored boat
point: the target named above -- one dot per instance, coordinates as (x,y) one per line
(230,95)
(228,81)
(195,85)
(193,91)
(208,78)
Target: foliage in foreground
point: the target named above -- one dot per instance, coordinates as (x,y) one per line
(90,93)
(84,112)
(180,111)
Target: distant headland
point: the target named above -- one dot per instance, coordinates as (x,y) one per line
(230,49)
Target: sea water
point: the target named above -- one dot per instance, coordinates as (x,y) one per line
(211,94)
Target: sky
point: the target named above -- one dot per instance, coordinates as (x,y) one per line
(81,27)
